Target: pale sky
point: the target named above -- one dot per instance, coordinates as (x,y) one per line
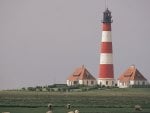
(43,41)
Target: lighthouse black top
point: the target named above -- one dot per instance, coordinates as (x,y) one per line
(107,16)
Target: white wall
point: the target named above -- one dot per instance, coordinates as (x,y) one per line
(131,82)
(122,84)
(82,82)
(106,82)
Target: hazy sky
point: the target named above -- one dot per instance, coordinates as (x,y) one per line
(43,41)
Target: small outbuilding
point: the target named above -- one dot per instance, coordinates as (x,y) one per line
(81,76)
(130,77)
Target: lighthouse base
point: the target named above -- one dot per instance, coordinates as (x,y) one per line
(106,82)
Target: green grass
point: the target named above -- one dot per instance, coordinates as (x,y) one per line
(97,101)
(63,110)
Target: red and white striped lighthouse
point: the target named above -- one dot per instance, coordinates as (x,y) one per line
(106,71)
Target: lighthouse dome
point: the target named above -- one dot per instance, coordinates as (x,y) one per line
(107,16)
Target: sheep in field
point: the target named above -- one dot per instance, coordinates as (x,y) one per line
(137,108)
(70,112)
(49,112)
(76,111)
(50,106)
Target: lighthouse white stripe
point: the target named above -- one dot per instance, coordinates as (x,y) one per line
(106,36)
(106,58)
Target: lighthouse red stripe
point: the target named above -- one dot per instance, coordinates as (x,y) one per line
(106,47)
(106,27)
(106,71)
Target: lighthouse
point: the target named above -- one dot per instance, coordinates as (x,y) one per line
(106,70)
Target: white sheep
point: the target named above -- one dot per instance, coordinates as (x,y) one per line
(49,112)
(68,106)
(76,111)
(138,108)
(50,106)
(70,112)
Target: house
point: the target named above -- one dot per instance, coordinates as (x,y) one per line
(81,76)
(130,77)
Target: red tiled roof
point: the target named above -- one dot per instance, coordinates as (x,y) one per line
(131,73)
(81,74)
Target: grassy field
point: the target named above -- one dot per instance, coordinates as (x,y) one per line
(98,101)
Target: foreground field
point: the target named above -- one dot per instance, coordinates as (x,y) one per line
(98,101)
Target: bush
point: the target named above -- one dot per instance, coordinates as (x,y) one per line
(31,89)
